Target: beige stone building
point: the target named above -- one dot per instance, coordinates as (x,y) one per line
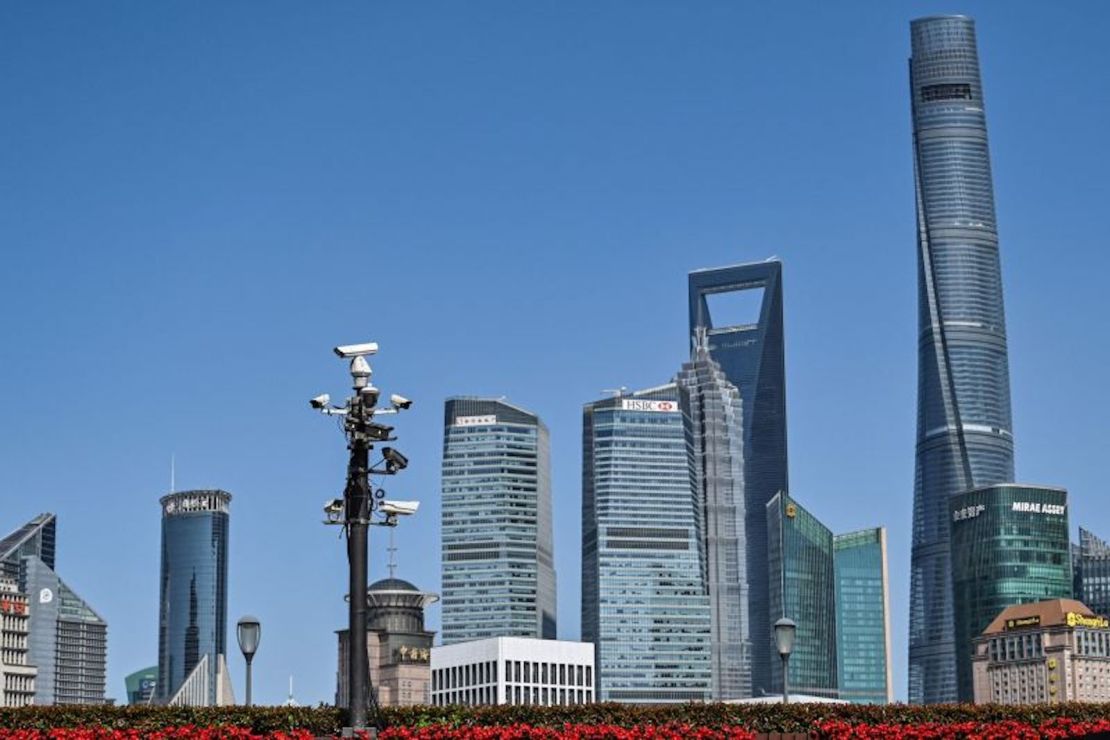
(1044,652)
(399,648)
(17,679)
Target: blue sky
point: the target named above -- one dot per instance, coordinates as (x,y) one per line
(197,200)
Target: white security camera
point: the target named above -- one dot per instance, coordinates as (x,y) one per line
(320,401)
(399,508)
(334,510)
(400,402)
(356,350)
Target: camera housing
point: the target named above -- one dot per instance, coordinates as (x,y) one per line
(398,508)
(320,402)
(356,350)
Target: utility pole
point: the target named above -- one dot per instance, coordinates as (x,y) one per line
(355,510)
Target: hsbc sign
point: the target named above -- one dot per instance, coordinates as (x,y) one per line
(473,421)
(633,404)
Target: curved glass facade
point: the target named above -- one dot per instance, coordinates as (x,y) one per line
(193,594)
(964,437)
(644,603)
(1009,546)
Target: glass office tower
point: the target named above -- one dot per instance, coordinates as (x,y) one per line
(1009,545)
(803,588)
(964,435)
(192,622)
(68,642)
(644,602)
(498,551)
(1091,571)
(863,663)
(740,309)
(715,427)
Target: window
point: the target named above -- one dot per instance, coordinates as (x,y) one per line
(957,91)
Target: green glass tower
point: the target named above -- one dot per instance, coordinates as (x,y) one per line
(801,575)
(1008,545)
(862,617)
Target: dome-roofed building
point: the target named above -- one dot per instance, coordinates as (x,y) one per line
(399,647)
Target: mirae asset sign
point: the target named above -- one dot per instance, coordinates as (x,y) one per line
(634,404)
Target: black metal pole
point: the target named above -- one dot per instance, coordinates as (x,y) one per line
(249,659)
(358,516)
(786,678)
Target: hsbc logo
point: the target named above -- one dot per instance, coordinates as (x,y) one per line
(633,404)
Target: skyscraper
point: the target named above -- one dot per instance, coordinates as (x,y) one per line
(714,420)
(1091,571)
(68,643)
(803,588)
(749,348)
(644,602)
(863,662)
(192,625)
(964,435)
(1009,545)
(498,547)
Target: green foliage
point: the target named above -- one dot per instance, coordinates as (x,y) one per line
(799,718)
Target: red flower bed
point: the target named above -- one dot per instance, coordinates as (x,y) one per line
(187,732)
(1005,730)
(669,731)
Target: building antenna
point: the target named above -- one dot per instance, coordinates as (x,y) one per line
(173,481)
(392,549)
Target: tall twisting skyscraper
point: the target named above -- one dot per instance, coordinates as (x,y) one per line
(498,562)
(963,409)
(750,349)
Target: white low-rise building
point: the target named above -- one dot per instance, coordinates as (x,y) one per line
(513,670)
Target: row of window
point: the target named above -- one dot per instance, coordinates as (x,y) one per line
(519,695)
(517,671)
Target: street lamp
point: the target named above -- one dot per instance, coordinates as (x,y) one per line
(249,633)
(784,640)
(353,512)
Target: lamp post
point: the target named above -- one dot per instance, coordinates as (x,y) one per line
(784,640)
(249,633)
(353,512)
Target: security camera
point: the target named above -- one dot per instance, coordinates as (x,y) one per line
(356,350)
(394,460)
(334,510)
(378,432)
(370,394)
(400,402)
(320,402)
(399,508)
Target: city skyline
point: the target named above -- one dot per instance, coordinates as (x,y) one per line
(163,225)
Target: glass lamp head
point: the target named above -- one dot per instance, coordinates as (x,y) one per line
(784,635)
(249,633)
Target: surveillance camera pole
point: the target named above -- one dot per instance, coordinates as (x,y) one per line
(359,427)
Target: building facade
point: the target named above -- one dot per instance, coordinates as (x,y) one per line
(863,663)
(513,670)
(644,601)
(750,349)
(17,676)
(140,685)
(715,427)
(1043,652)
(498,546)
(1091,571)
(1009,545)
(803,588)
(964,430)
(398,646)
(68,640)
(192,625)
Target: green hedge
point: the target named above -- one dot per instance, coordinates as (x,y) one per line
(758,717)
